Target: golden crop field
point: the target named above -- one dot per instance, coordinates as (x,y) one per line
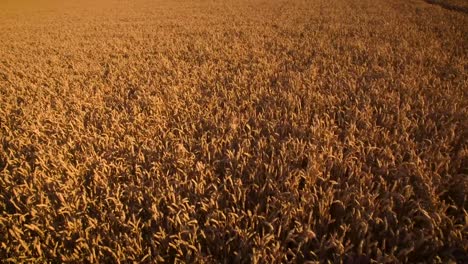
(247,131)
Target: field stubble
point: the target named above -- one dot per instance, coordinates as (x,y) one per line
(247,131)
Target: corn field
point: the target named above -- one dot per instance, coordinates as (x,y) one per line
(249,131)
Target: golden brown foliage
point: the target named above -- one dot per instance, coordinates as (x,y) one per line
(233,131)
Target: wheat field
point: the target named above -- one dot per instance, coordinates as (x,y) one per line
(217,131)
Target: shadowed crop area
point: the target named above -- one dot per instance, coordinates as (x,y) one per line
(233,131)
